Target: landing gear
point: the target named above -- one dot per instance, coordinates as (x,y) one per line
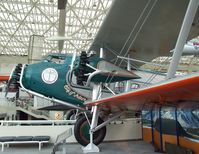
(82,131)
(72,115)
(91,130)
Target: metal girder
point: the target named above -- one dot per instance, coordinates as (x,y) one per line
(20,19)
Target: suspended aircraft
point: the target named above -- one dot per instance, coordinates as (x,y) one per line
(145,29)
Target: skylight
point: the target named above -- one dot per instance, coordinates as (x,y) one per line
(19,19)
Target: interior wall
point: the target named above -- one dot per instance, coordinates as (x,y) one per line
(13,59)
(166,133)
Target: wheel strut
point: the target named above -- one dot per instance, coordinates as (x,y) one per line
(91,147)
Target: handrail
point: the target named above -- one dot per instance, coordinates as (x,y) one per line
(33,113)
(39,112)
(40,122)
(61,140)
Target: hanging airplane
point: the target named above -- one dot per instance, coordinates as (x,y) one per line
(145,30)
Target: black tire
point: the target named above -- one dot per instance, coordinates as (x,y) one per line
(83,138)
(71,114)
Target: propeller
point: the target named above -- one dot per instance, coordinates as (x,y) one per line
(13,81)
(73,60)
(72,63)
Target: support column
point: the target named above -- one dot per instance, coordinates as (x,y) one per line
(152,130)
(91,147)
(2,147)
(182,38)
(177,126)
(160,128)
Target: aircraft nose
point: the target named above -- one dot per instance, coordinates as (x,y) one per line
(27,76)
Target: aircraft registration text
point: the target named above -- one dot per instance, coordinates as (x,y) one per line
(71,92)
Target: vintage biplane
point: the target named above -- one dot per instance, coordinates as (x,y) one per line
(145,29)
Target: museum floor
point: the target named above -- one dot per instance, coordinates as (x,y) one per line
(130,147)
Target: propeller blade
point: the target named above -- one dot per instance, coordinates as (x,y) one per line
(73,60)
(14,79)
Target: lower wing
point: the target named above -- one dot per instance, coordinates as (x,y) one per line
(169,92)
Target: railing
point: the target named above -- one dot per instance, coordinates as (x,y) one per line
(36,122)
(60,142)
(38,112)
(3,115)
(28,106)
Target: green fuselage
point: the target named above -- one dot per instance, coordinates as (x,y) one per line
(33,80)
(52,77)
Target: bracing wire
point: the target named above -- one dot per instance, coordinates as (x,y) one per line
(140,17)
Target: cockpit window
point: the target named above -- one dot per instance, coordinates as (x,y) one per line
(55,59)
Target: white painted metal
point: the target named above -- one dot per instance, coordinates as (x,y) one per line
(101,53)
(91,147)
(35,128)
(132,129)
(73,60)
(61,140)
(127,87)
(190,50)
(182,38)
(110,89)
(21,142)
(96,91)
(107,121)
(92,75)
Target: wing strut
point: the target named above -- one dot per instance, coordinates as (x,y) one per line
(184,32)
(127,88)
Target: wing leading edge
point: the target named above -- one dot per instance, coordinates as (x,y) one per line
(168,92)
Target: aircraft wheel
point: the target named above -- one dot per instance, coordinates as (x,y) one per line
(81,131)
(71,115)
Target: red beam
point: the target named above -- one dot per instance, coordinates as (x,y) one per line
(4,78)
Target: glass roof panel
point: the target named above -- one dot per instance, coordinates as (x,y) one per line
(19,19)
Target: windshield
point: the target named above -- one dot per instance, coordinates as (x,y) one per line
(55,59)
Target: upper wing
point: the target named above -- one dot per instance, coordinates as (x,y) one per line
(171,91)
(155,25)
